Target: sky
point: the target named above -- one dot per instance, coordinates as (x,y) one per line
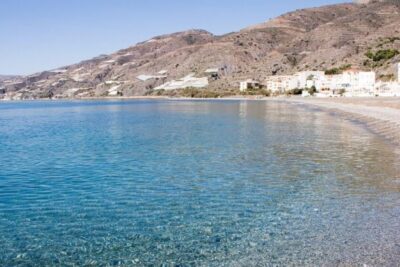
(38,35)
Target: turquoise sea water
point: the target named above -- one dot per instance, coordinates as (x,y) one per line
(193,183)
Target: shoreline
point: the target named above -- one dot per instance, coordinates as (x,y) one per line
(145,98)
(233,97)
(381,116)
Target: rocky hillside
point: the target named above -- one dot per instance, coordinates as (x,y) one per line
(8,77)
(366,35)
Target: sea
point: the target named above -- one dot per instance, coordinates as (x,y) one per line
(194,183)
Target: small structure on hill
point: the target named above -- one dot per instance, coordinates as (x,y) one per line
(163,72)
(249,84)
(112,82)
(58,71)
(185,82)
(145,77)
(212,73)
(115,91)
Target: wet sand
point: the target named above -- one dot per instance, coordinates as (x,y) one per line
(380,115)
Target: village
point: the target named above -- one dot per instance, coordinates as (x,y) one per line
(351,82)
(346,81)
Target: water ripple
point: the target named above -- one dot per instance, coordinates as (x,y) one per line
(166,183)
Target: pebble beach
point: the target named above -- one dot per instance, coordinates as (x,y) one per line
(380,115)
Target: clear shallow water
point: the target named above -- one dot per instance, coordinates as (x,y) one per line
(208,183)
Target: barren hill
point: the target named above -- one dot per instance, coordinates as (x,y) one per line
(318,38)
(8,77)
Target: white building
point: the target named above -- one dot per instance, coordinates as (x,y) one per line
(115,91)
(330,83)
(212,73)
(281,83)
(301,80)
(145,77)
(391,88)
(387,89)
(308,79)
(185,82)
(398,72)
(358,83)
(351,83)
(249,84)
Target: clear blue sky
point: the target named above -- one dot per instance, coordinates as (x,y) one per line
(43,34)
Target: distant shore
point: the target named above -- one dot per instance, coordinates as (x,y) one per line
(381,115)
(147,98)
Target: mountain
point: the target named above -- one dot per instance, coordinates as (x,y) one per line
(8,77)
(322,38)
(6,80)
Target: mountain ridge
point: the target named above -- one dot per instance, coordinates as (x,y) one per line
(316,38)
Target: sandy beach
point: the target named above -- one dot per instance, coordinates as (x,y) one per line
(380,115)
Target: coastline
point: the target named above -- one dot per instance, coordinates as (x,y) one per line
(148,98)
(379,115)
